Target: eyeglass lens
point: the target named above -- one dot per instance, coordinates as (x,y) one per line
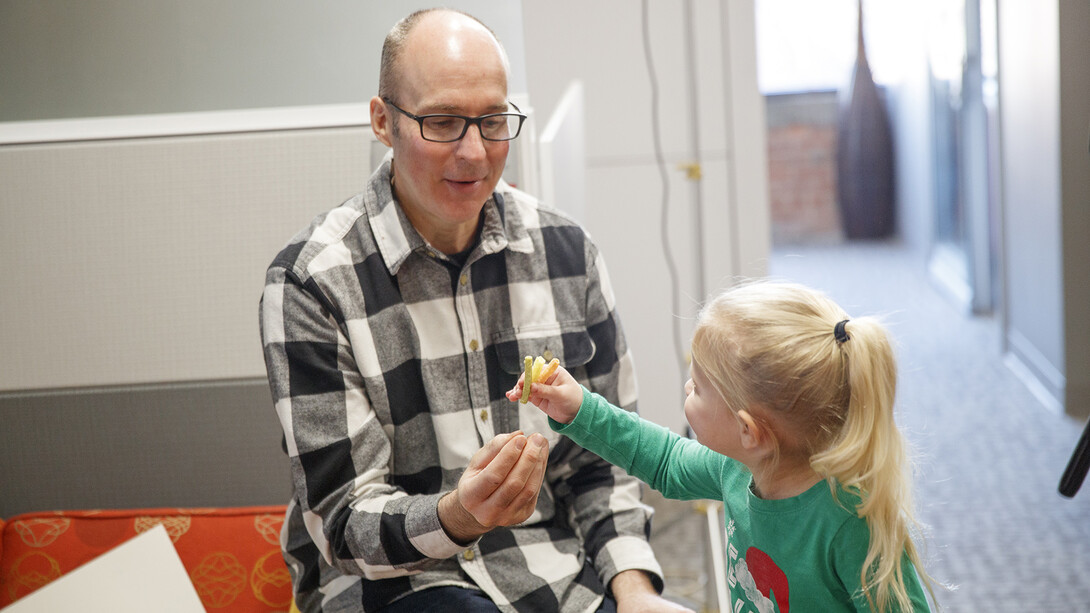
(444,128)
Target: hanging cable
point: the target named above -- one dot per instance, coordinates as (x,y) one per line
(671,266)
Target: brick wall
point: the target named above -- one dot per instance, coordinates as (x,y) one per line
(802,167)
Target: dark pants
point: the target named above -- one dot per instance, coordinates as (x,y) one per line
(449,599)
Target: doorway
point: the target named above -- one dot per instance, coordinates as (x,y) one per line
(935,65)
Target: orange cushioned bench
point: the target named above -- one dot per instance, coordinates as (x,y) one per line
(232,554)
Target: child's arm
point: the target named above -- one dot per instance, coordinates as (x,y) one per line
(559,395)
(678,468)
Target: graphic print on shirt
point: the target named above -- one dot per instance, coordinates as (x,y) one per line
(760,579)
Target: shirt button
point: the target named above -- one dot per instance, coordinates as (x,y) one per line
(484,414)
(548,355)
(473,345)
(463,279)
(468,554)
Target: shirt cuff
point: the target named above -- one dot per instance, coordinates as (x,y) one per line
(425,531)
(628,553)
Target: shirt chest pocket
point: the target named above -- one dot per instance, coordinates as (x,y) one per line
(568,342)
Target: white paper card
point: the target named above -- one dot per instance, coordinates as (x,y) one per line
(140,575)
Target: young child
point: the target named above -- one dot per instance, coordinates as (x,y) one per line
(792,404)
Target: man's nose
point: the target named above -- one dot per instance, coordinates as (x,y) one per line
(473,143)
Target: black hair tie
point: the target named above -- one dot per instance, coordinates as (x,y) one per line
(840,333)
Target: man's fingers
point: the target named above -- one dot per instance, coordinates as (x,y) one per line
(486,454)
(532,488)
(524,480)
(479,485)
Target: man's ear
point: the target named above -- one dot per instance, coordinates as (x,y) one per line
(381,121)
(752,433)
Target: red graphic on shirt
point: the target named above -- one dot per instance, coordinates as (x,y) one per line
(769,578)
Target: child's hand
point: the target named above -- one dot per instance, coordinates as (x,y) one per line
(559,396)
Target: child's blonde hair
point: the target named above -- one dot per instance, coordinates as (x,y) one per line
(826,393)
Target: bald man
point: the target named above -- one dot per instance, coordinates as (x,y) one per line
(392,327)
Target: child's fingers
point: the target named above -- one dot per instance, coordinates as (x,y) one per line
(515,393)
(542,391)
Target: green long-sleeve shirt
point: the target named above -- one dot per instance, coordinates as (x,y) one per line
(803,553)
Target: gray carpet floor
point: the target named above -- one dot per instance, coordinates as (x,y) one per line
(989,454)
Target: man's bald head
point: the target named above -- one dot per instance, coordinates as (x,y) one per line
(440,19)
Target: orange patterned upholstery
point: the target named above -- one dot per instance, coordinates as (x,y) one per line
(232,554)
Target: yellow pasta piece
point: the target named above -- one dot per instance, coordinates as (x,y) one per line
(528,378)
(548,370)
(539,362)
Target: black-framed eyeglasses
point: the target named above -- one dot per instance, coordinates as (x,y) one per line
(443,128)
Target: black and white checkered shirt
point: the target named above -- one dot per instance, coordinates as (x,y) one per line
(388,364)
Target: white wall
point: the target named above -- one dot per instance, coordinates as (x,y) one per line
(95,58)
(601,44)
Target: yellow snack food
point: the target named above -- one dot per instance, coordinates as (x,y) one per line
(535,370)
(527,379)
(539,362)
(548,370)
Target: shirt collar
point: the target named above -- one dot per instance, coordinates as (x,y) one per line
(397,239)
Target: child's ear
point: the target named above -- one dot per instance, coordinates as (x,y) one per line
(752,433)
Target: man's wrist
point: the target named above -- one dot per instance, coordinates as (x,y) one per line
(459,524)
(631,582)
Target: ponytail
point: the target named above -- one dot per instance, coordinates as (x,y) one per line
(869,458)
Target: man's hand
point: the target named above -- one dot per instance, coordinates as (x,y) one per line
(498,488)
(634,593)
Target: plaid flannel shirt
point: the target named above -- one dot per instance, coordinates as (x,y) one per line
(388,364)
